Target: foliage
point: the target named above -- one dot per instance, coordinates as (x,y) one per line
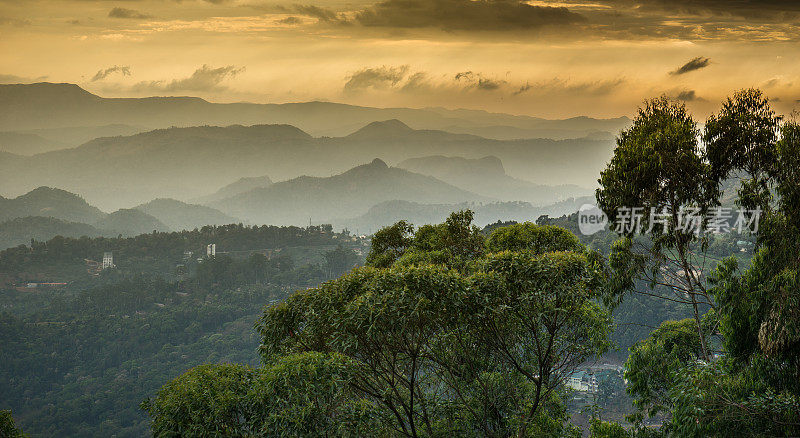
(7,427)
(205,401)
(658,168)
(753,388)
(436,344)
(653,363)
(77,361)
(440,335)
(299,395)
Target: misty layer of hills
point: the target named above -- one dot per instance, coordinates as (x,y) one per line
(363,199)
(47,212)
(48,105)
(487,177)
(129,166)
(118,169)
(186,163)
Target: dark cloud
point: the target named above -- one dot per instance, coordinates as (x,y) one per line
(464,15)
(375,77)
(751,9)
(417,81)
(687,95)
(102,74)
(523,88)
(466,75)
(487,84)
(558,86)
(477,80)
(290,20)
(694,64)
(323,14)
(127,13)
(206,78)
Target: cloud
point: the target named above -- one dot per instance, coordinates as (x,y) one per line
(687,96)
(375,77)
(478,81)
(205,78)
(127,13)
(403,79)
(464,15)
(557,86)
(102,74)
(750,9)
(694,64)
(323,14)
(523,88)
(290,20)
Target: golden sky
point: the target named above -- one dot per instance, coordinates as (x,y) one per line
(543,58)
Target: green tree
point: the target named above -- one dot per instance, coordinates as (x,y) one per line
(753,388)
(7,427)
(658,167)
(340,260)
(438,336)
(654,363)
(209,400)
(741,138)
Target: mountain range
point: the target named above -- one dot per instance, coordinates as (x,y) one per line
(239,186)
(51,105)
(365,198)
(389,212)
(486,176)
(350,193)
(47,212)
(188,163)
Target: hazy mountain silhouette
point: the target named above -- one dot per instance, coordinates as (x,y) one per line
(130,222)
(45,213)
(185,163)
(350,193)
(21,230)
(179,215)
(486,176)
(25,143)
(48,105)
(49,202)
(37,141)
(389,212)
(239,186)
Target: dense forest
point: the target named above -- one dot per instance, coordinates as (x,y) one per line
(78,360)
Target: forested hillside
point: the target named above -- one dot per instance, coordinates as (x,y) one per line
(78,359)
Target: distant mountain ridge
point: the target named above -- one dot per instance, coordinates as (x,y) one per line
(487,176)
(20,231)
(50,105)
(130,222)
(390,212)
(187,163)
(46,212)
(50,202)
(37,141)
(239,186)
(179,215)
(352,192)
